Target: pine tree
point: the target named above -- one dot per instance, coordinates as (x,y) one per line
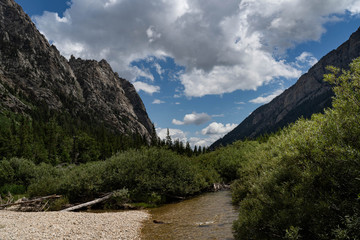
(188,150)
(154,137)
(168,139)
(195,150)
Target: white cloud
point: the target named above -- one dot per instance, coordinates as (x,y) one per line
(268,98)
(210,134)
(183,137)
(203,142)
(174,134)
(177,122)
(152,34)
(150,89)
(159,70)
(218,128)
(306,58)
(240,103)
(218,115)
(193,118)
(223,46)
(157,101)
(145,73)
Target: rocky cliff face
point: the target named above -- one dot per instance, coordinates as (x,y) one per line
(32,69)
(309,95)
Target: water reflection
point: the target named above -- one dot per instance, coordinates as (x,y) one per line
(209,216)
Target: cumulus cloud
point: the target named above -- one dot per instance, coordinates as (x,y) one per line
(183,137)
(174,134)
(307,59)
(224,47)
(203,142)
(208,135)
(157,101)
(211,133)
(142,86)
(268,98)
(193,118)
(218,128)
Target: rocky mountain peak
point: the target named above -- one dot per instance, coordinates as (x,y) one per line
(35,70)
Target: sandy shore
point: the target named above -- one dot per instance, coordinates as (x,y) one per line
(69,225)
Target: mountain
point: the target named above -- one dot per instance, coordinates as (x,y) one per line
(310,94)
(34,74)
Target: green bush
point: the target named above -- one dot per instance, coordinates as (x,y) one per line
(46,180)
(58,204)
(14,189)
(305,184)
(154,170)
(6,172)
(151,175)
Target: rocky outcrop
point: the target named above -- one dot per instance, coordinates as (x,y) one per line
(110,98)
(309,95)
(32,69)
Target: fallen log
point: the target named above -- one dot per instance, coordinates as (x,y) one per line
(30,201)
(87,204)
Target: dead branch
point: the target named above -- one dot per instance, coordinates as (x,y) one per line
(87,204)
(30,201)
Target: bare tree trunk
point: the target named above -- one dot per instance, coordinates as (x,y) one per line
(87,203)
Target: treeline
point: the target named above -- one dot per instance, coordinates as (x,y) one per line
(48,136)
(179,147)
(52,137)
(303,182)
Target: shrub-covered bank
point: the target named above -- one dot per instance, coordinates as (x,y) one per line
(304,183)
(152,175)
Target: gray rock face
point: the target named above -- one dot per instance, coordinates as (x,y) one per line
(32,68)
(309,95)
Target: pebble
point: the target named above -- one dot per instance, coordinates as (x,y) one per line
(71,225)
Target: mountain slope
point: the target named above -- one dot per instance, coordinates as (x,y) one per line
(33,73)
(309,95)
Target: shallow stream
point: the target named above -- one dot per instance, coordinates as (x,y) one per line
(209,216)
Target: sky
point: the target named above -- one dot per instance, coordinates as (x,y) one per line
(200,66)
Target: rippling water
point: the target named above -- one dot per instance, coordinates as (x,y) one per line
(209,216)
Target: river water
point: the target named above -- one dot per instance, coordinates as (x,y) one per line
(209,216)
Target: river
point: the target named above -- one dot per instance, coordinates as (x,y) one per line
(209,216)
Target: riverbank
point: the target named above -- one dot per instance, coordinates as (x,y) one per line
(71,225)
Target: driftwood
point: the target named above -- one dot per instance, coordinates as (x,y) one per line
(30,201)
(220,186)
(87,204)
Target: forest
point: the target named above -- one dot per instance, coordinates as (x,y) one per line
(302,182)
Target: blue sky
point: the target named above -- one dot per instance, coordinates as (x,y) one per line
(200,66)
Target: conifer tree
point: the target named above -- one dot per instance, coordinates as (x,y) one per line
(168,139)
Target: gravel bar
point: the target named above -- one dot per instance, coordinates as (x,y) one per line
(71,225)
